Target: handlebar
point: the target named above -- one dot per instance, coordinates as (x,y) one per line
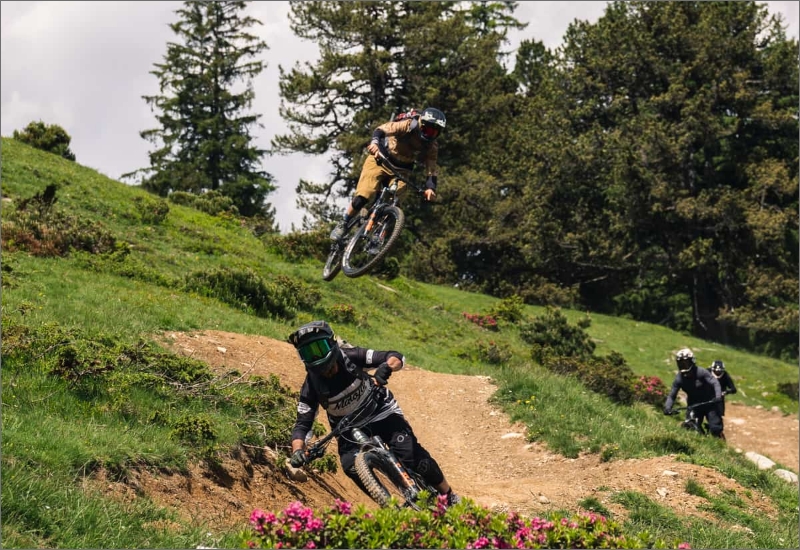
(383,160)
(690,407)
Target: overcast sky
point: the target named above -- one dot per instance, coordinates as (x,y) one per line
(85,66)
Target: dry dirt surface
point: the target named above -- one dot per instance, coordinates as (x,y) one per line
(484,456)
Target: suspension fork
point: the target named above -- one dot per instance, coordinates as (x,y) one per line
(375,441)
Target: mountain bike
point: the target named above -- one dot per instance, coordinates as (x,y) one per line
(691,422)
(381,472)
(379,229)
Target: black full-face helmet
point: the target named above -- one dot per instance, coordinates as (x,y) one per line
(686,363)
(717,368)
(431,123)
(316,346)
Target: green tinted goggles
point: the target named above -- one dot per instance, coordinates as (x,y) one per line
(316,350)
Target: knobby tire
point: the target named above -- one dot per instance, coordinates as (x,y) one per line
(366,463)
(361,238)
(334,262)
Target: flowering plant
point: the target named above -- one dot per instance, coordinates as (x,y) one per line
(464,525)
(484,321)
(649,389)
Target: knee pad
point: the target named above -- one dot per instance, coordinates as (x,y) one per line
(358,203)
(429,469)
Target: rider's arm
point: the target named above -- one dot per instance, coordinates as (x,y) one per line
(676,385)
(369,358)
(710,379)
(306,411)
(731,388)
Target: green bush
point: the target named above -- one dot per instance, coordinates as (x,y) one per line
(298,246)
(47,137)
(508,309)
(151,211)
(244,289)
(213,203)
(341,313)
(609,375)
(552,331)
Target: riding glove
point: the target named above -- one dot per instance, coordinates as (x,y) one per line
(667,411)
(382,373)
(298,458)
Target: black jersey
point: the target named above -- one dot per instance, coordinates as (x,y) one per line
(702,387)
(344,391)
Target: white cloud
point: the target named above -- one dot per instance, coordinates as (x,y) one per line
(85,66)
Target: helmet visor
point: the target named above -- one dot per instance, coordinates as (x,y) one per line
(316,350)
(429,131)
(685,365)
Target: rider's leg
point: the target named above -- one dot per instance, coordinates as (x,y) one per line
(408,450)
(367,188)
(715,422)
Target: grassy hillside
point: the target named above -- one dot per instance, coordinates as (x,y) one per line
(82,383)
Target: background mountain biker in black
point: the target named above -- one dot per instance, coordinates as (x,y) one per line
(725,381)
(404,142)
(700,386)
(335,379)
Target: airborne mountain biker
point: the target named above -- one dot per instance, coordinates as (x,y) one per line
(403,142)
(700,386)
(335,379)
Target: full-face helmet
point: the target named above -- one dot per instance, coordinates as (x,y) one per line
(431,123)
(316,346)
(685,360)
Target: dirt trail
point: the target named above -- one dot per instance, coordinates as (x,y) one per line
(483,455)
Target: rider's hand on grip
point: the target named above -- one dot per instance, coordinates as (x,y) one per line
(298,458)
(667,411)
(430,194)
(382,374)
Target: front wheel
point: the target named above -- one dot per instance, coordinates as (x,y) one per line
(334,262)
(368,247)
(383,481)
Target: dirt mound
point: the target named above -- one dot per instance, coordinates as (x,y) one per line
(484,456)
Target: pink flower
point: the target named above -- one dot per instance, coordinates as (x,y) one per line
(481,542)
(343,507)
(684,546)
(310,544)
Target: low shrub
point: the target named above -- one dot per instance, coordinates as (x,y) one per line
(552,331)
(37,227)
(464,525)
(508,309)
(650,390)
(152,211)
(493,353)
(298,246)
(609,375)
(244,289)
(484,321)
(213,203)
(341,313)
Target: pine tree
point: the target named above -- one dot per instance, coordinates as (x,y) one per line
(204,140)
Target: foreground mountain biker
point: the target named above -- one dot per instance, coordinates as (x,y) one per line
(335,379)
(402,142)
(700,386)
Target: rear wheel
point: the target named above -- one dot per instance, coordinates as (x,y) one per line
(368,247)
(383,481)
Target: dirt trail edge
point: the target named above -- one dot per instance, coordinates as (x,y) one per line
(484,456)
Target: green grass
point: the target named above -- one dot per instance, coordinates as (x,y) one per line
(52,432)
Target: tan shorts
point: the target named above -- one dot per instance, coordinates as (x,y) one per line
(373,177)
